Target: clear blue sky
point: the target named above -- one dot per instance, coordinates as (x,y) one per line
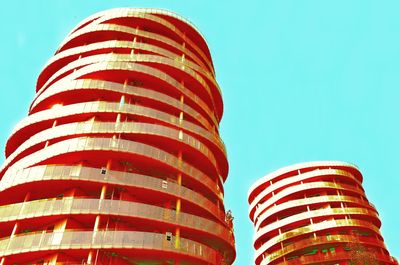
(301,80)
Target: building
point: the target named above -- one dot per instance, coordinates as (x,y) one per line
(315,213)
(119,160)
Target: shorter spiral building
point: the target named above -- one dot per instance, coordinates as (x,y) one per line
(315,213)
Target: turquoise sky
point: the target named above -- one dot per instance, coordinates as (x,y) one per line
(302,80)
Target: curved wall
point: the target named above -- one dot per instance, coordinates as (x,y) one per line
(119,160)
(315,213)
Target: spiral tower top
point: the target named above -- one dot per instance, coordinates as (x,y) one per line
(315,213)
(120,160)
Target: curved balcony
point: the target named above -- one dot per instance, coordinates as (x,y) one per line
(85,144)
(136,241)
(215,233)
(298,169)
(36,122)
(300,179)
(69,88)
(311,202)
(318,241)
(322,258)
(189,73)
(102,18)
(326,226)
(118,73)
(67,56)
(92,128)
(323,213)
(305,187)
(70,174)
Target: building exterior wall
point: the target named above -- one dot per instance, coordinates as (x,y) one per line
(120,160)
(315,213)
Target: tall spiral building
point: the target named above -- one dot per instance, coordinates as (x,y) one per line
(119,160)
(315,213)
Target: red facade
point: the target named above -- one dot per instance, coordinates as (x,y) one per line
(315,213)
(119,160)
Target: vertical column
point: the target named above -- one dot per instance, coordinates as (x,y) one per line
(16,227)
(179,177)
(134,41)
(98,217)
(53,260)
(54,124)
